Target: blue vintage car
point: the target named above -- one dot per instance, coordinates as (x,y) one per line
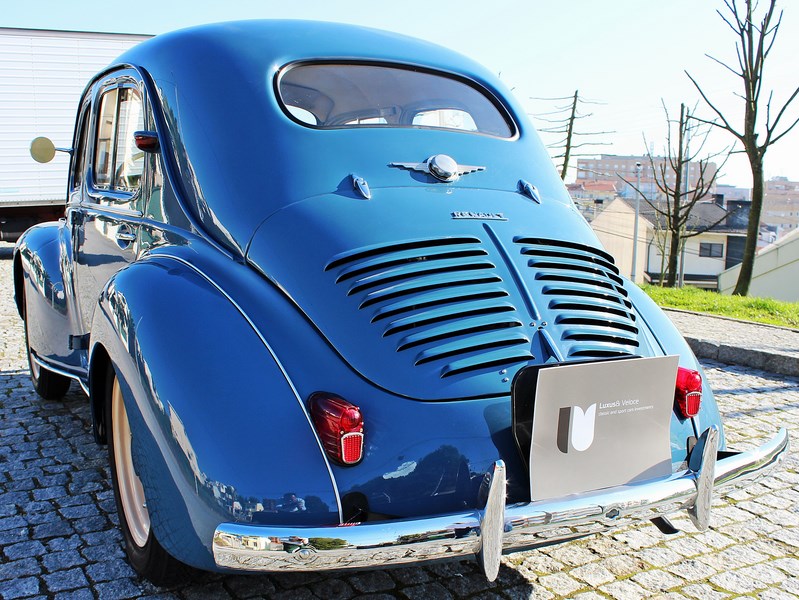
(333,308)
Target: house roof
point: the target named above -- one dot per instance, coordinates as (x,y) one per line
(704,215)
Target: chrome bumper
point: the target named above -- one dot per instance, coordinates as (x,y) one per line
(498,527)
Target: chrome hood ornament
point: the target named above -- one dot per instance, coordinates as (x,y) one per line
(441,166)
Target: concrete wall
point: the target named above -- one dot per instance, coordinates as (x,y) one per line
(775,273)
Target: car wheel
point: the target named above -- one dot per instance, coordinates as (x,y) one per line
(145,553)
(49,385)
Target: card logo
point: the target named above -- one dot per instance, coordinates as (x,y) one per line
(576,428)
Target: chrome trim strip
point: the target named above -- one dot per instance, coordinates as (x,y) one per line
(108,210)
(460,535)
(60,371)
(277,362)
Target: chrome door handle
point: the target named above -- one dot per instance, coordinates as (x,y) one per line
(125,237)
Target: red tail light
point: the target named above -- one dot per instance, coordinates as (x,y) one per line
(688,392)
(339,425)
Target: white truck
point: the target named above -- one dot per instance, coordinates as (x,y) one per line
(42,76)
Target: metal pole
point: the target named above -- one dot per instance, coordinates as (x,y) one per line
(635,224)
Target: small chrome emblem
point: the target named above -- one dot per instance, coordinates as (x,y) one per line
(441,166)
(480,216)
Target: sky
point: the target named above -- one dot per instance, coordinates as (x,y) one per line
(629,57)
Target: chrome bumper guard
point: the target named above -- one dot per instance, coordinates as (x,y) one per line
(497,528)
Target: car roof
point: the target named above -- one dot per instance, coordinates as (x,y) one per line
(240,158)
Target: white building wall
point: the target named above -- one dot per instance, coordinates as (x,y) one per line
(42,76)
(614,227)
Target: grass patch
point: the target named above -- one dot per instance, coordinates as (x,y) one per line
(760,310)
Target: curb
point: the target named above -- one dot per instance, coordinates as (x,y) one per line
(782,364)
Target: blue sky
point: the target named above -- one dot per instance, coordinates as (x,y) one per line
(627,54)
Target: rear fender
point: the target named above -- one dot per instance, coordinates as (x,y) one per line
(220,434)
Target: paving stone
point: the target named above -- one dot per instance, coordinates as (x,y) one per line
(20,588)
(372,581)
(594,574)
(735,582)
(119,589)
(528,592)
(65,580)
(560,584)
(409,575)
(19,568)
(57,561)
(788,565)
(427,591)
(249,586)
(82,594)
(660,557)
(625,590)
(571,555)
(657,580)
(463,586)
(763,573)
(109,570)
(692,570)
(24,550)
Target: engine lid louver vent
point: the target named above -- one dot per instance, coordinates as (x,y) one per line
(440,301)
(581,292)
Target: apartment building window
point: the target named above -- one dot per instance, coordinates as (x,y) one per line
(711,250)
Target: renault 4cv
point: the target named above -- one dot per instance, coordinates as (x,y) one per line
(333,308)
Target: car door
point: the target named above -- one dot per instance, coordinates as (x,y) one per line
(106,226)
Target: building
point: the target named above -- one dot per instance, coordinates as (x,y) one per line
(623,169)
(780,206)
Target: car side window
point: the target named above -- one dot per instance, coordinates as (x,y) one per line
(118,164)
(79,162)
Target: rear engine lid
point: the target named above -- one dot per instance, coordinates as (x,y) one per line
(445,293)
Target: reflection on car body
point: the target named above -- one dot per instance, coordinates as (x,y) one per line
(314,279)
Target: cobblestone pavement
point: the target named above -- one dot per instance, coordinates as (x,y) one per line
(59,536)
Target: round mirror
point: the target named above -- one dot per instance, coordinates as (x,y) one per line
(42,150)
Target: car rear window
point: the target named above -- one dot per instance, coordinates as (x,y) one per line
(330,96)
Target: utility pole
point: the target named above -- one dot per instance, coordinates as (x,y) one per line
(635,224)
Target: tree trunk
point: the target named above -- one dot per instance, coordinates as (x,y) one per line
(753,230)
(674,253)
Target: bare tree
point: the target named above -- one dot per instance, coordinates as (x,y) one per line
(672,178)
(753,45)
(562,122)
